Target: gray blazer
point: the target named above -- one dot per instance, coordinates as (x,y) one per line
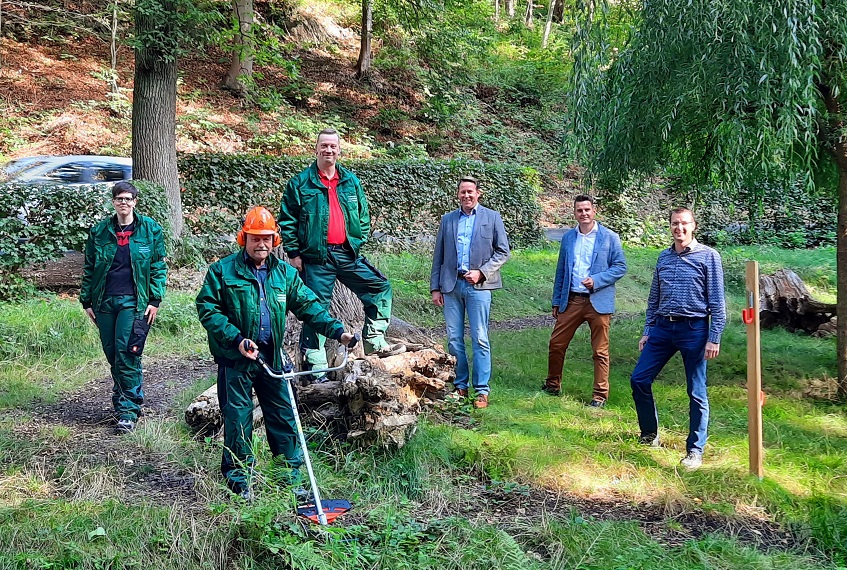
(489,250)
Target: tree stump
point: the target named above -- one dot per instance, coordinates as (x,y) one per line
(372,401)
(785,301)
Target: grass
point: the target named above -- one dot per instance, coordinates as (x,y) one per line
(421,506)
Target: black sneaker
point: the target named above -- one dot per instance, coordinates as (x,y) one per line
(651,439)
(552,391)
(597,403)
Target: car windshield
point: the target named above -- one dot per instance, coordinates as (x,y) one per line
(15,168)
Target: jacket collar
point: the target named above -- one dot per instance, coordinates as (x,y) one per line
(244,269)
(343,174)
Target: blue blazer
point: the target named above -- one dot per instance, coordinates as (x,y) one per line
(608,264)
(489,250)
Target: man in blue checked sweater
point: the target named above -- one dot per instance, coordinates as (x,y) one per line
(686,312)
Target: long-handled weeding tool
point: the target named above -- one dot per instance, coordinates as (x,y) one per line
(320,511)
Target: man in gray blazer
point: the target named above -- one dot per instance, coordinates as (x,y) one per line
(470,248)
(591,260)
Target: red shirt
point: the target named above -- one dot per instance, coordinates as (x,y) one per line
(337,231)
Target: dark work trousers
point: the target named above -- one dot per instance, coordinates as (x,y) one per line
(235,395)
(366,282)
(114,321)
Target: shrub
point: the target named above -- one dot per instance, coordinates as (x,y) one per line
(406,197)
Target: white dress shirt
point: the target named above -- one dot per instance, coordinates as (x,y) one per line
(583,250)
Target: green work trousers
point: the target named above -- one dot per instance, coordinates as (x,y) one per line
(366,282)
(236,401)
(114,321)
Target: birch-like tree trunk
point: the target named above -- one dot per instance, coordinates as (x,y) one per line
(549,24)
(527,19)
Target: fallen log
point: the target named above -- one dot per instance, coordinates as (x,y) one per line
(372,401)
(784,300)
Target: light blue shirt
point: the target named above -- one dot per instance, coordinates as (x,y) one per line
(464,234)
(583,249)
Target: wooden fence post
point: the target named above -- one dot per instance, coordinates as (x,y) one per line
(755,396)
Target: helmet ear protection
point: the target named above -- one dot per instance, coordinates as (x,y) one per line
(258,221)
(241,238)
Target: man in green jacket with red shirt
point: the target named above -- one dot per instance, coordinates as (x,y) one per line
(243,305)
(324,222)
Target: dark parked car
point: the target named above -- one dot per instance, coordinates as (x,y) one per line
(82,169)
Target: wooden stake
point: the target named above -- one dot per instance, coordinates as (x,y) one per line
(754,371)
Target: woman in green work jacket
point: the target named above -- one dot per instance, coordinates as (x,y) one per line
(123,282)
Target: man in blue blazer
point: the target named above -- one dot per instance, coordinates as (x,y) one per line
(591,260)
(470,248)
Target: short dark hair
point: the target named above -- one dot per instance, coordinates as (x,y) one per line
(682,210)
(583,198)
(124,186)
(330,132)
(470,179)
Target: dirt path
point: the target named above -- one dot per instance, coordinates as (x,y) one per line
(77,435)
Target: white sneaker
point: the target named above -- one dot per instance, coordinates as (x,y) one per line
(693,460)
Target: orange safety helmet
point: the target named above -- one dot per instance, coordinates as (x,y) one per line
(259,221)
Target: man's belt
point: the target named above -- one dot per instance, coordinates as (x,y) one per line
(676,319)
(461,273)
(579,294)
(337,247)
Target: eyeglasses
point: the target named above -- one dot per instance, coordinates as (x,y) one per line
(675,224)
(123,199)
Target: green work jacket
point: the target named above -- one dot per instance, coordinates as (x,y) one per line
(304,214)
(147,255)
(228,307)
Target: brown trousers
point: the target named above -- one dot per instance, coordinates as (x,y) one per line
(578,311)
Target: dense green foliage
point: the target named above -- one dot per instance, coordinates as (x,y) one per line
(406,197)
(776,214)
(718,94)
(732,102)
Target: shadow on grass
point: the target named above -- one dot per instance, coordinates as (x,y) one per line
(562,444)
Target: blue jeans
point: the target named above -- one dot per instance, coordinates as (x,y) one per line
(477,304)
(666,338)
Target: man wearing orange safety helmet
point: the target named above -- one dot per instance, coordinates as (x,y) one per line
(325,222)
(242,305)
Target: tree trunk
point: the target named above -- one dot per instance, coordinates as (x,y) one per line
(510,8)
(363,65)
(838,149)
(549,24)
(496,10)
(527,19)
(154,120)
(785,300)
(241,65)
(113,52)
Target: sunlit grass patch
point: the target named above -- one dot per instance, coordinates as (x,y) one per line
(19,485)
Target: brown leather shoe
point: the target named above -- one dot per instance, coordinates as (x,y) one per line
(481,401)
